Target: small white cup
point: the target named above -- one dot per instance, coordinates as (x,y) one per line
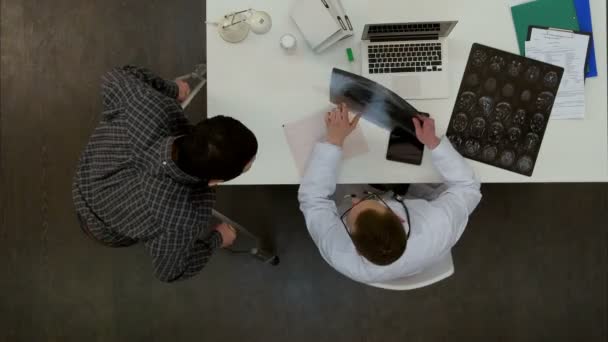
(289,43)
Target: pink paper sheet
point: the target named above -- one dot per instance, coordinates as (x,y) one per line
(302,135)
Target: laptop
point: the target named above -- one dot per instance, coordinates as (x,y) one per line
(411,59)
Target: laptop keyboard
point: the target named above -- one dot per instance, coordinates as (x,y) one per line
(405,57)
(401,28)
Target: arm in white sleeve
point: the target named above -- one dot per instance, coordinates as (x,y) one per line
(318,184)
(321,215)
(462,195)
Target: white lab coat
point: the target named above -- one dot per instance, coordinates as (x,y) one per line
(438,216)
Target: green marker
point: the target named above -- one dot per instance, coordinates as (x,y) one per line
(351,59)
(350,55)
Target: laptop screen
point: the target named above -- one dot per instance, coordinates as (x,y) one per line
(408,30)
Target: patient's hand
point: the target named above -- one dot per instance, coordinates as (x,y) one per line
(339,125)
(228,234)
(184,91)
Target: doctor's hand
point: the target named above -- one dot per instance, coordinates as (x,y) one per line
(339,125)
(425,131)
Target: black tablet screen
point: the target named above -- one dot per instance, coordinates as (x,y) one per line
(404,147)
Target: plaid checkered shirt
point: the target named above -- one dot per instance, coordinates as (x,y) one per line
(128,189)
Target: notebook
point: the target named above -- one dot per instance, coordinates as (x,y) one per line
(322,22)
(583,13)
(315,21)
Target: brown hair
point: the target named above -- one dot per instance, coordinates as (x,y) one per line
(379,236)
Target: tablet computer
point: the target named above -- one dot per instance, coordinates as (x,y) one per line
(404,147)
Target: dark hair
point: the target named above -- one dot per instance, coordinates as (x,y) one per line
(216,149)
(379,236)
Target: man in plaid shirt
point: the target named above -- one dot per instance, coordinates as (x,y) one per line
(147,174)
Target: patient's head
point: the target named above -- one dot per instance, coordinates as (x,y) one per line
(378,234)
(217,150)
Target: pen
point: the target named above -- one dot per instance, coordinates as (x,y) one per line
(350,26)
(338,17)
(341,23)
(341,9)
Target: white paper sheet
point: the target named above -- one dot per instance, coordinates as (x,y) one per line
(302,136)
(568,50)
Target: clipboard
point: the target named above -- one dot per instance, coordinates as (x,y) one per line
(574,32)
(552,13)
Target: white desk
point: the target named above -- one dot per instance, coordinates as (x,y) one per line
(255,82)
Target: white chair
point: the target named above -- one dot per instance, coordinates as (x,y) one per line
(436,272)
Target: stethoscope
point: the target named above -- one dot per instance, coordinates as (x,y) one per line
(401,201)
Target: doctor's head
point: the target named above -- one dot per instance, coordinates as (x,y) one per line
(376,231)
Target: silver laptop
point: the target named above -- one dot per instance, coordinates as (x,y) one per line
(410,59)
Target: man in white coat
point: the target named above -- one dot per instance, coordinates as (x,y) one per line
(379,237)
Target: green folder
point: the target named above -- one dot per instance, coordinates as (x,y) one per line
(551,13)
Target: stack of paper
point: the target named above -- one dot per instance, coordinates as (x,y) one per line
(568,50)
(322,22)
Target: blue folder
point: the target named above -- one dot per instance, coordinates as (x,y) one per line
(583,12)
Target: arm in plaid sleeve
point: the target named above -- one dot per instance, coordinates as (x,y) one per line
(167,88)
(122,85)
(174,260)
(150,118)
(149,114)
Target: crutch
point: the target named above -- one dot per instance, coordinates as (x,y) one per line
(198,76)
(258,252)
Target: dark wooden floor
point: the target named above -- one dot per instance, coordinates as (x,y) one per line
(531,266)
